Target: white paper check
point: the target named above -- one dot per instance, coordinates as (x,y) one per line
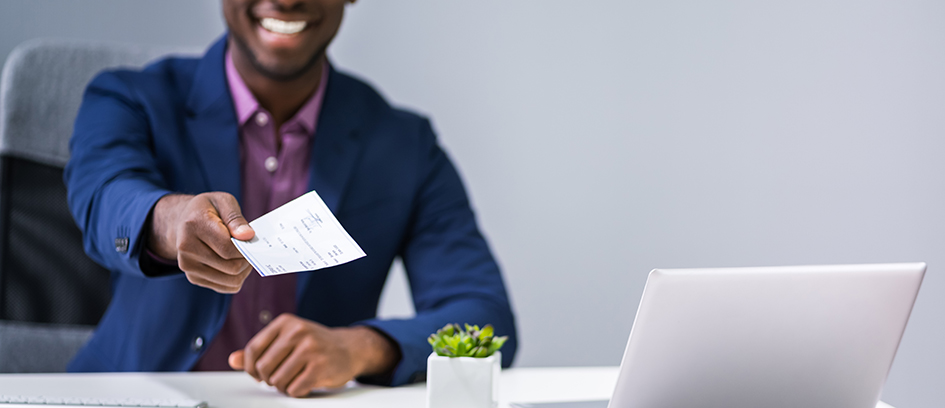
(302,235)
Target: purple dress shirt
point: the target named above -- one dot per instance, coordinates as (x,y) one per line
(271,176)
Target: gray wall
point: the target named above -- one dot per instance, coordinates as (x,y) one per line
(193,23)
(602,139)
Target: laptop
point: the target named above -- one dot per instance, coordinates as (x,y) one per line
(796,336)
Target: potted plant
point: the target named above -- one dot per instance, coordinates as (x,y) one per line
(463,370)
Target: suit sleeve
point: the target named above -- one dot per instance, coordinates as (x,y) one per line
(453,275)
(112,177)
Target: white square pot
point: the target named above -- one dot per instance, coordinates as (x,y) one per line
(463,382)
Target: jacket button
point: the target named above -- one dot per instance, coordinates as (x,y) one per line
(121,245)
(198,344)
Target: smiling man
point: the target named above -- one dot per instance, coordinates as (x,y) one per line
(169,162)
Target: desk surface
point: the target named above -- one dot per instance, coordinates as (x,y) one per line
(237,390)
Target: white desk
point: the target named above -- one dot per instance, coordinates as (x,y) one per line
(238,390)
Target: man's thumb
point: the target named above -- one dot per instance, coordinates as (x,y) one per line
(236,360)
(232,217)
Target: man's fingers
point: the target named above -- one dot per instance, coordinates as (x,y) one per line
(303,383)
(203,275)
(197,251)
(287,372)
(233,267)
(274,356)
(257,347)
(213,234)
(202,282)
(202,224)
(232,216)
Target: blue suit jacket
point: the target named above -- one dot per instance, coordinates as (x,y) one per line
(172,128)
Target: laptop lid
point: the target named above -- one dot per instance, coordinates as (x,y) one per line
(799,336)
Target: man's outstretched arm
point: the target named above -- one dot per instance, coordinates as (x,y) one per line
(122,204)
(112,176)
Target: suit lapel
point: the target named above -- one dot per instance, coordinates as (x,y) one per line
(336,148)
(212,125)
(335,151)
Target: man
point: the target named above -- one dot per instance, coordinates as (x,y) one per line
(168,163)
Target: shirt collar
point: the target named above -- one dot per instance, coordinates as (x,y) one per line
(246,104)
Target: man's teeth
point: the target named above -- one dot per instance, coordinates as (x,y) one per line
(282,27)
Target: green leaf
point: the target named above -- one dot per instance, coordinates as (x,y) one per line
(497,343)
(486,332)
(487,343)
(453,342)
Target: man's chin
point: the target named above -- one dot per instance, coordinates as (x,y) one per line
(283,74)
(279,70)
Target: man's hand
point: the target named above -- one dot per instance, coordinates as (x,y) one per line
(297,355)
(196,231)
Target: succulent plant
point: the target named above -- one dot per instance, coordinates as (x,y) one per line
(452,341)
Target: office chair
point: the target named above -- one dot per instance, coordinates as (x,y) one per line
(51,293)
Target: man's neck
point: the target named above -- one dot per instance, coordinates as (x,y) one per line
(281,98)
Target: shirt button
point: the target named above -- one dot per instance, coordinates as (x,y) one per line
(198,343)
(265,317)
(271,164)
(262,119)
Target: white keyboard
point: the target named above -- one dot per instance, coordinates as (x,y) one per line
(20,401)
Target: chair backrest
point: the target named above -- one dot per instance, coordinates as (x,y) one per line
(45,275)
(39,348)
